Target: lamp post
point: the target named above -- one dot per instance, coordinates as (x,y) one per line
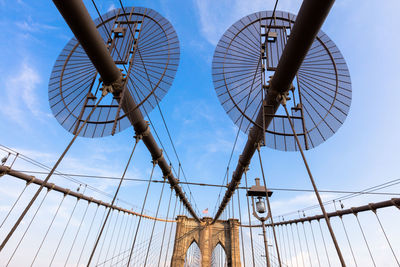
(260,193)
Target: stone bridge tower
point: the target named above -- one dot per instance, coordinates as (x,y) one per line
(207,236)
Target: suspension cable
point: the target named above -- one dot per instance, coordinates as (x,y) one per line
(87,236)
(15,203)
(29,225)
(112,202)
(48,229)
(65,229)
(386,237)
(241,229)
(154,225)
(365,239)
(248,211)
(269,205)
(47,178)
(165,227)
(143,205)
(305,237)
(76,235)
(315,244)
(345,231)
(327,220)
(323,239)
(170,232)
(159,108)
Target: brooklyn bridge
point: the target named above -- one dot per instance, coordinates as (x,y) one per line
(128,180)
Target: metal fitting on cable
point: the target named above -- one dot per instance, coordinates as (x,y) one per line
(146,132)
(31,181)
(393,200)
(4,172)
(67,193)
(282,98)
(115,87)
(371,206)
(156,160)
(51,187)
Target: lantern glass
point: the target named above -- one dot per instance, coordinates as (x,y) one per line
(260,205)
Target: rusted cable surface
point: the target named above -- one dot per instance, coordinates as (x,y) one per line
(32,179)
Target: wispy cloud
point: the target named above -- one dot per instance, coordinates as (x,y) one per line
(111,7)
(213,25)
(20,92)
(29,25)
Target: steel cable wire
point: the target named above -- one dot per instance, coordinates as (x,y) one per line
(47,178)
(27,228)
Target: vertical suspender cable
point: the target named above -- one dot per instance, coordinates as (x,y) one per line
(345,231)
(48,229)
(47,178)
(165,227)
(323,239)
(154,224)
(112,202)
(327,220)
(301,249)
(365,239)
(387,239)
(141,212)
(15,203)
(27,228)
(269,205)
(315,244)
(76,235)
(248,211)
(87,236)
(241,229)
(170,232)
(65,229)
(294,245)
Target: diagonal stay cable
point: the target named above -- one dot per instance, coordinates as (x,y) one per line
(246,106)
(112,202)
(158,106)
(327,220)
(141,213)
(47,178)
(269,206)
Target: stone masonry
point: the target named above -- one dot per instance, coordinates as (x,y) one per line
(207,236)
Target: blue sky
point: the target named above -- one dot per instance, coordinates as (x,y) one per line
(364,152)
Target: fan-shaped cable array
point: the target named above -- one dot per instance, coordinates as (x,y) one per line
(244,59)
(146,48)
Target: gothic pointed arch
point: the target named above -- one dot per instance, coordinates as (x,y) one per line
(219,256)
(193,255)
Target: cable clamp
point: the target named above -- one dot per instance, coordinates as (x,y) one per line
(146,132)
(115,87)
(393,200)
(51,187)
(282,98)
(4,172)
(31,181)
(371,206)
(156,160)
(354,212)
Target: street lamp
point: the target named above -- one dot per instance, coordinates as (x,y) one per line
(260,193)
